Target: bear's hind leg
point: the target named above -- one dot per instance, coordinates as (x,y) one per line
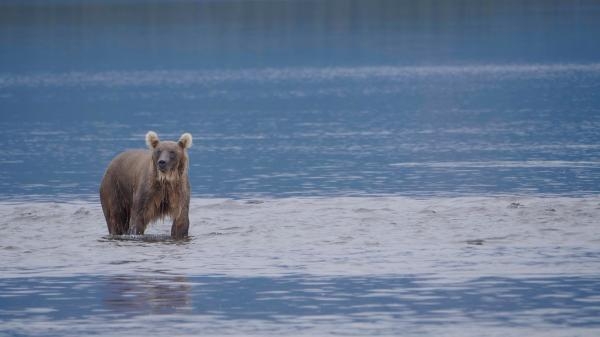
(116,219)
(121,222)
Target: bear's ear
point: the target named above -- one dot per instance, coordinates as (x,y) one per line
(152,139)
(185,141)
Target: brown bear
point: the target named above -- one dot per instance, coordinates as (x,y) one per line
(140,186)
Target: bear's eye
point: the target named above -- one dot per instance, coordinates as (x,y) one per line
(158,152)
(172,154)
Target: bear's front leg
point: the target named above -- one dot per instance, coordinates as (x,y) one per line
(181,224)
(137,221)
(136,224)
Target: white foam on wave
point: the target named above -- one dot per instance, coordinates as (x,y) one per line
(266,75)
(461,237)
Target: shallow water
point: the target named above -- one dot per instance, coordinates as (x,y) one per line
(359,167)
(309,266)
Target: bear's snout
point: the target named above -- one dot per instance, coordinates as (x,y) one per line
(164,161)
(162,165)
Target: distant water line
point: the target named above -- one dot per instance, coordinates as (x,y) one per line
(318,74)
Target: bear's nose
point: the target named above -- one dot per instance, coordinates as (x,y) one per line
(162,163)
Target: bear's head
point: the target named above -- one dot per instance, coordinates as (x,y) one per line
(170,159)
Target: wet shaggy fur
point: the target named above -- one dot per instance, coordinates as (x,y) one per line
(140,186)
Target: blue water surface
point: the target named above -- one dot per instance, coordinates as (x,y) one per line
(283,300)
(289,98)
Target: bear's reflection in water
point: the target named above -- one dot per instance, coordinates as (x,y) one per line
(131,295)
